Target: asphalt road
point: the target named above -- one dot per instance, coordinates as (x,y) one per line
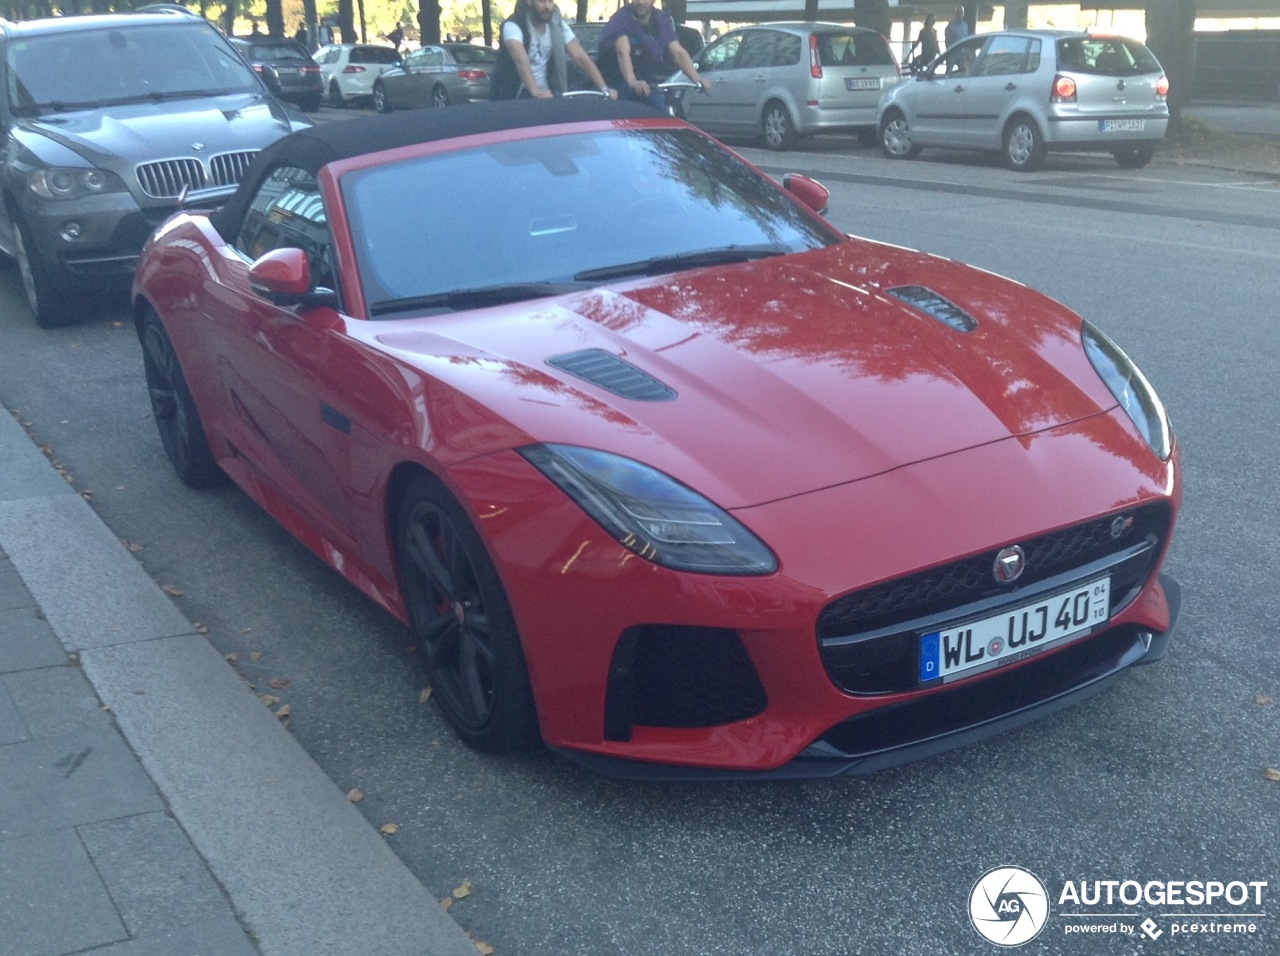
(1160,780)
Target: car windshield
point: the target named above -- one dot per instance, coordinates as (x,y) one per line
(286,53)
(92,68)
(569,211)
(1106,56)
(467,53)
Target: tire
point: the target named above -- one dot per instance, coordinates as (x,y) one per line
(181,431)
(868,136)
(439,97)
(311,103)
(777,128)
(335,96)
(1023,145)
(895,137)
(459,614)
(1135,157)
(380,99)
(46,295)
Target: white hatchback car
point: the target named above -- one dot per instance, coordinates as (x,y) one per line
(782,81)
(350,69)
(1022,93)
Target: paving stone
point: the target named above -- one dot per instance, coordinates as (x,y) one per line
(13,592)
(43,879)
(158,881)
(12,727)
(221,936)
(55,701)
(68,780)
(27,640)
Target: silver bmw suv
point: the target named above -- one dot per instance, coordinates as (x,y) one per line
(1021,93)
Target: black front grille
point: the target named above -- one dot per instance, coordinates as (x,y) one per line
(869,639)
(166,178)
(666,675)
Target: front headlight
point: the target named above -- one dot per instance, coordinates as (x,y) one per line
(72,182)
(652,514)
(1131,389)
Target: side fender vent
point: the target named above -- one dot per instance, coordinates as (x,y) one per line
(930,303)
(613,374)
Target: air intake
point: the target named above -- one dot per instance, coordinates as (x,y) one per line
(613,374)
(930,303)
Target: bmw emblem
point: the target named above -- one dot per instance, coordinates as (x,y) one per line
(197,146)
(1009,564)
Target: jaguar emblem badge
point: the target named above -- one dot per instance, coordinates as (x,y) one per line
(1009,564)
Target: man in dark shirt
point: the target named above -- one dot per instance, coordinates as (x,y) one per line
(633,52)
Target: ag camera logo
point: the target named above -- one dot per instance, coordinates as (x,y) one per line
(1009,906)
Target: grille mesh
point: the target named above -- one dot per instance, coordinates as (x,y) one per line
(166,178)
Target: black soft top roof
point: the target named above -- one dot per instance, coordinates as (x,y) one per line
(317,146)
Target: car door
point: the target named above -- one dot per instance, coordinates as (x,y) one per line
(939,101)
(408,89)
(269,357)
(715,64)
(754,79)
(1000,78)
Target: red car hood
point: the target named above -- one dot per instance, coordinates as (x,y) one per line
(790,375)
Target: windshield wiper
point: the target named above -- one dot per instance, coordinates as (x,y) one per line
(686,260)
(476,298)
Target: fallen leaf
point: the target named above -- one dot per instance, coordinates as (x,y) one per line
(446,904)
(132,545)
(1272,774)
(389,828)
(255,655)
(269,699)
(279,682)
(232,658)
(425,695)
(484,948)
(172,590)
(87,494)
(463,891)
(245,630)
(1264,699)
(200,628)
(355,795)
(285,711)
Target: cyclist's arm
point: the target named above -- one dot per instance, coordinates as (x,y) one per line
(637,85)
(685,63)
(521,60)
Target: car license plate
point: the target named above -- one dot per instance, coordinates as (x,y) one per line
(862,83)
(1003,638)
(288,70)
(1121,126)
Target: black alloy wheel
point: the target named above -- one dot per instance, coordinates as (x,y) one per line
(459,613)
(181,431)
(49,303)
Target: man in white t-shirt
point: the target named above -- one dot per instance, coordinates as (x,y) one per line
(539,41)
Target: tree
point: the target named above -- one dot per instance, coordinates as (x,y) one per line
(1170,35)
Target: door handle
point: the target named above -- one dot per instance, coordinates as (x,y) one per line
(1010,87)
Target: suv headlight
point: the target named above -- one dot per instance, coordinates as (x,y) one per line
(1131,389)
(651,513)
(73,182)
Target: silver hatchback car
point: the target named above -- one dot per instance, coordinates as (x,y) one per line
(782,81)
(1021,93)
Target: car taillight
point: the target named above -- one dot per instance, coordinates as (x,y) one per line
(815,64)
(472,74)
(353,69)
(1064,89)
(311,68)
(1162,86)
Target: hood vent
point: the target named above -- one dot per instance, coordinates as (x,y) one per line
(930,303)
(613,375)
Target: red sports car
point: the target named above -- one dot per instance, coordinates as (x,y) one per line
(661,468)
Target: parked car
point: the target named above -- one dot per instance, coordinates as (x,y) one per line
(349,70)
(108,120)
(436,75)
(721,491)
(781,81)
(588,34)
(1022,93)
(266,72)
(296,75)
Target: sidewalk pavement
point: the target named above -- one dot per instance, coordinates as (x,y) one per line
(150,805)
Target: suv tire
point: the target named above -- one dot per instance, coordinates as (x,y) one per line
(46,296)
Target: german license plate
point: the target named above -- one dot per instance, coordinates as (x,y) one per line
(862,83)
(1003,638)
(288,70)
(1121,126)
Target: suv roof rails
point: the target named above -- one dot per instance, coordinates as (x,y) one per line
(166,8)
